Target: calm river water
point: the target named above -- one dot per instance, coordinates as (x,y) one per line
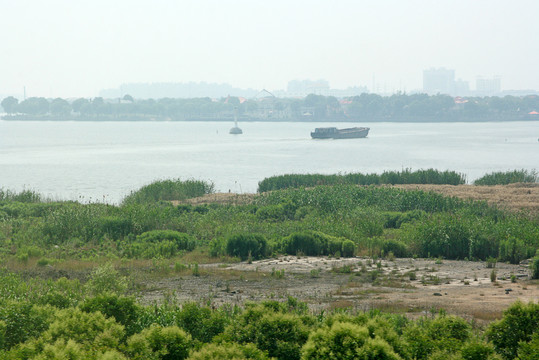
(104,161)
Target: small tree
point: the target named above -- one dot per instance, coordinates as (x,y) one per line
(10,104)
(106,279)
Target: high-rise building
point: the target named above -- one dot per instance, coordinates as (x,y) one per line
(488,86)
(440,81)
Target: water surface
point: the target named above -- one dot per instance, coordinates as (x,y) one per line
(104,161)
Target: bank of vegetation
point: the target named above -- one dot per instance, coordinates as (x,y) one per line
(406,176)
(365,107)
(509,177)
(93,318)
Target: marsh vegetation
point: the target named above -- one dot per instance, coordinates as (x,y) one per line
(285,274)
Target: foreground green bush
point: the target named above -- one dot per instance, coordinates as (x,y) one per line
(346,341)
(124,310)
(518,326)
(156,342)
(228,351)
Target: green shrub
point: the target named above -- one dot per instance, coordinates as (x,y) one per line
(475,350)
(106,279)
(90,330)
(312,243)
(156,342)
(398,248)
(348,248)
(270,329)
(228,351)
(201,322)
(281,335)
(305,243)
(245,245)
(22,320)
(519,324)
(529,350)
(123,309)
(340,341)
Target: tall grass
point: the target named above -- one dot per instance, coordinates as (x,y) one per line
(508,177)
(26,196)
(174,189)
(407,176)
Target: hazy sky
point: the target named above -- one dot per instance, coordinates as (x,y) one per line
(72,48)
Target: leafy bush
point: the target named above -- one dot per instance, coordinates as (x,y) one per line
(228,351)
(398,248)
(201,322)
(123,309)
(156,342)
(348,248)
(22,320)
(519,324)
(340,341)
(106,279)
(91,329)
(245,245)
(271,326)
(314,243)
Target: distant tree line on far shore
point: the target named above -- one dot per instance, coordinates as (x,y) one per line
(365,107)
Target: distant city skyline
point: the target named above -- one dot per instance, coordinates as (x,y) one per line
(61,48)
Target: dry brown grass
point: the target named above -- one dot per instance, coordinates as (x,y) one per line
(514,197)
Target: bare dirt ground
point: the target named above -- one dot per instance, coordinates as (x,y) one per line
(459,287)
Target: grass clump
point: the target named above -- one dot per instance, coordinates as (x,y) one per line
(508,177)
(165,190)
(407,176)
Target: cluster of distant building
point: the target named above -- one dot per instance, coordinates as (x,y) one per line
(435,81)
(442,81)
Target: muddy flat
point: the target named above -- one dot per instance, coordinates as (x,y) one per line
(459,287)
